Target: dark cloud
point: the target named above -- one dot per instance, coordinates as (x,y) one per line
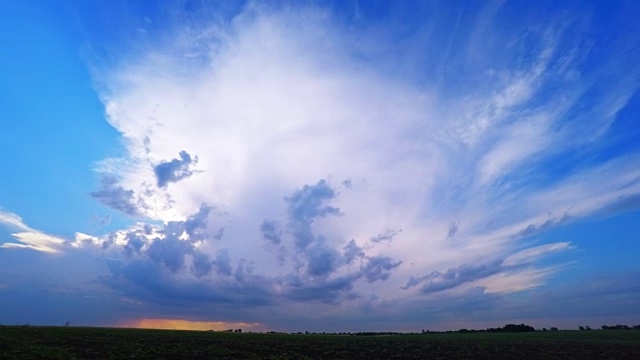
(195,226)
(135,242)
(453,277)
(322,260)
(202,264)
(326,291)
(167,245)
(170,252)
(148,281)
(460,275)
(315,253)
(474,303)
(537,228)
(308,202)
(174,170)
(386,235)
(379,267)
(352,251)
(453,229)
(157,254)
(304,206)
(223,263)
(271,231)
(116,197)
(413,281)
(347,183)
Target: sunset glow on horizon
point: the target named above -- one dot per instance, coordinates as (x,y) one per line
(177,324)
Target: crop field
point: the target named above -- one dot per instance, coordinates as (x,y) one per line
(32,342)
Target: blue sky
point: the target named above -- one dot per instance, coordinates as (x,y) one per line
(325,166)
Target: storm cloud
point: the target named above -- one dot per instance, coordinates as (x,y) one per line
(337,164)
(175,169)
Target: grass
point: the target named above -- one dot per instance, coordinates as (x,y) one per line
(32,342)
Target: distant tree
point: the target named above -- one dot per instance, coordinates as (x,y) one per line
(587,327)
(581,328)
(553,328)
(616,327)
(67,323)
(544,329)
(518,328)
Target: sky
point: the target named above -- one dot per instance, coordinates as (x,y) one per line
(320,165)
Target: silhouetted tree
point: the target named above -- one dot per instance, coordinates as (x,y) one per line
(616,327)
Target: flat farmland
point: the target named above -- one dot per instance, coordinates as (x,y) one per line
(33,342)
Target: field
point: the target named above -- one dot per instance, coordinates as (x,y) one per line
(32,342)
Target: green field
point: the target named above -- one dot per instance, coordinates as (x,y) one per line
(32,342)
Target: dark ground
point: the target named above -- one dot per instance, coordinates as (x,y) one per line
(33,342)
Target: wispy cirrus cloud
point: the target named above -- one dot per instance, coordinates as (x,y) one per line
(27,237)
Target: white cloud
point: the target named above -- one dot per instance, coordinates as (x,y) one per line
(35,241)
(13,220)
(533,253)
(29,238)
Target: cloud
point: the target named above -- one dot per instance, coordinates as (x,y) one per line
(115,196)
(29,238)
(352,251)
(271,231)
(332,291)
(386,235)
(378,267)
(453,229)
(35,241)
(460,275)
(533,253)
(510,274)
(171,243)
(309,202)
(170,252)
(304,206)
(14,221)
(466,141)
(223,263)
(174,170)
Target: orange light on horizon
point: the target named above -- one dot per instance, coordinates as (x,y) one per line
(179,324)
